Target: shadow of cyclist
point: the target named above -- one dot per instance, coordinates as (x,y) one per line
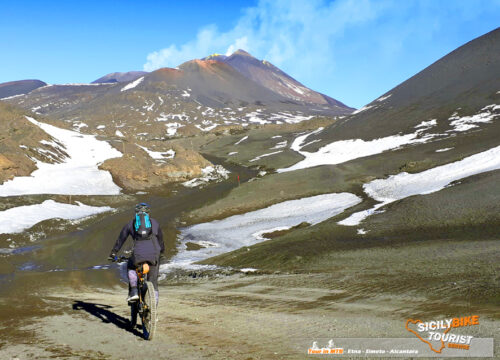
(101,311)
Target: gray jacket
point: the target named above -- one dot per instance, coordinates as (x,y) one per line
(144,250)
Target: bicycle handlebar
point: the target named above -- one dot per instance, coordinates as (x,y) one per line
(118,258)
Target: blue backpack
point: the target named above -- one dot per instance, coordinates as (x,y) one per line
(142,225)
(146,247)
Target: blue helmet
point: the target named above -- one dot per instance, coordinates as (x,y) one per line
(142,207)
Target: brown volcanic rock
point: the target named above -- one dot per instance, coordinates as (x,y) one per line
(213,83)
(138,171)
(20,143)
(8,168)
(188,130)
(6,164)
(15,164)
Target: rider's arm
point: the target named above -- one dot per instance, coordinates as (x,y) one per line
(126,231)
(160,240)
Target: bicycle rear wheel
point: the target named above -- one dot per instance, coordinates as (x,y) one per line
(149,312)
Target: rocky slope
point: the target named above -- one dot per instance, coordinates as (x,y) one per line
(207,93)
(207,98)
(22,144)
(271,77)
(141,168)
(457,85)
(422,157)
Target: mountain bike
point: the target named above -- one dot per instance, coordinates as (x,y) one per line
(145,307)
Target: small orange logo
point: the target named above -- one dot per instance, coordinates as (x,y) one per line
(434,329)
(425,341)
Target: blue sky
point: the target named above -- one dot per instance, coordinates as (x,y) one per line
(352,50)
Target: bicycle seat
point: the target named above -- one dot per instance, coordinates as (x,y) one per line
(142,268)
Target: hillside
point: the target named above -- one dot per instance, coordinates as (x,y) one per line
(15,88)
(423,157)
(157,111)
(22,144)
(203,93)
(461,83)
(271,77)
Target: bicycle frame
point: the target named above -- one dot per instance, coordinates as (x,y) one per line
(141,276)
(141,307)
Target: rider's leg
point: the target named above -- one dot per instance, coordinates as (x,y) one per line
(153,277)
(133,293)
(132,278)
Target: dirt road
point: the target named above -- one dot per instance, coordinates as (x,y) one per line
(231,317)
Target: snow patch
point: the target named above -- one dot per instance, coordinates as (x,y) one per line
(356,218)
(241,140)
(403,185)
(79,125)
(18,219)
(382,98)
(253,117)
(11,97)
(207,128)
(364,108)
(290,118)
(159,155)
(444,149)
(265,155)
(298,89)
(346,150)
(133,84)
(427,124)
(78,84)
(280,145)
(172,128)
(77,175)
(242,230)
(465,123)
(210,173)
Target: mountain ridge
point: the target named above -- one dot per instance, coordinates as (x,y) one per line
(265,73)
(118,77)
(19,87)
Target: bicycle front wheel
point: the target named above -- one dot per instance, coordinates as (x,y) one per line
(149,312)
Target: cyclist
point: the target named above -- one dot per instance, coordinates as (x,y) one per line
(148,245)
